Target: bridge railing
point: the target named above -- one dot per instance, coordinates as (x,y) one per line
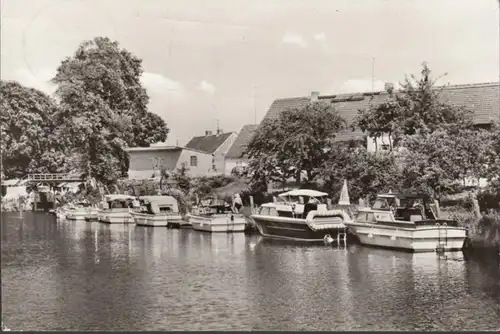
(53,177)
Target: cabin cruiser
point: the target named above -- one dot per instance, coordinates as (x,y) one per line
(80,211)
(216,215)
(407,223)
(300,214)
(115,209)
(157,211)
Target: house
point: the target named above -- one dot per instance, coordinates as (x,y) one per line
(147,162)
(217,145)
(236,157)
(483,99)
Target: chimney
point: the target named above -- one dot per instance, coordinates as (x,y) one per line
(208,133)
(389,87)
(314,96)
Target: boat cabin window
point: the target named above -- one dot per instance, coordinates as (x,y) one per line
(361,217)
(384,203)
(165,208)
(264,211)
(118,204)
(366,217)
(382,216)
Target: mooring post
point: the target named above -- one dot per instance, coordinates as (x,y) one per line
(252,207)
(329,203)
(477,211)
(438,209)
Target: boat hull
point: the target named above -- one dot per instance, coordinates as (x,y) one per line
(418,240)
(115,216)
(145,219)
(81,215)
(296,229)
(218,223)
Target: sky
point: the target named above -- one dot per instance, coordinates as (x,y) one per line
(209,62)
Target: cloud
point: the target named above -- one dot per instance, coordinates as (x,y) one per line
(320,38)
(206,87)
(158,84)
(39,79)
(292,38)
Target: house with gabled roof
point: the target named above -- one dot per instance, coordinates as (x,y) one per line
(482,98)
(236,157)
(147,162)
(217,145)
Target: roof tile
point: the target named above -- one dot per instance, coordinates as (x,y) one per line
(238,149)
(483,99)
(209,143)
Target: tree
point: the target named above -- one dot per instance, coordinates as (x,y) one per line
(297,143)
(104,104)
(416,109)
(367,173)
(31,138)
(182,179)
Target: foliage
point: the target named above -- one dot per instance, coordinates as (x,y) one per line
(437,142)
(367,173)
(104,106)
(31,139)
(415,109)
(298,141)
(434,163)
(182,179)
(204,185)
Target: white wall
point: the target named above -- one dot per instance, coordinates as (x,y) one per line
(232,163)
(220,154)
(372,147)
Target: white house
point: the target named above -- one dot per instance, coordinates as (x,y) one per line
(236,155)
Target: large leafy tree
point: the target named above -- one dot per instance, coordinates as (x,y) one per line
(367,173)
(416,109)
(297,143)
(441,144)
(105,107)
(31,141)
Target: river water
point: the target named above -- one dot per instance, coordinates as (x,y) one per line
(91,276)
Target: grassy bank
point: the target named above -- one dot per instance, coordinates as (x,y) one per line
(483,233)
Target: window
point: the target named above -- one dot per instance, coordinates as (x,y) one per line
(194,161)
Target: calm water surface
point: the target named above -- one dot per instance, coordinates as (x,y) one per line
(91,276)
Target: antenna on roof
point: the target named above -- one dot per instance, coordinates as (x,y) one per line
(218,129)
(373,75)
(254,107)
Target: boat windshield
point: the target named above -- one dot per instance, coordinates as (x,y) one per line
(385,203)
(301,199)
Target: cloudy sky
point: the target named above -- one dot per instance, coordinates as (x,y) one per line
(227,60)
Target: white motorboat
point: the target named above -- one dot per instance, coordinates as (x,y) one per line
(215,215)
(115,209)
(407,223)
(157,211)
(81,211)
(300,214)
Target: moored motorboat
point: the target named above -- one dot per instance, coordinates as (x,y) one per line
(407,223)
(115,209)
(302,215)
(80,212)
(157,211)
(215,215)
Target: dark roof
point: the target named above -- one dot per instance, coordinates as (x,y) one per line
(483,99)
(209,143)
(240,143)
